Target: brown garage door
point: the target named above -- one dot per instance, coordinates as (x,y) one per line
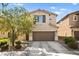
(76,35)
(43,36)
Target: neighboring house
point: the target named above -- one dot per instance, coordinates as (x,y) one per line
(69,25)
(45,28)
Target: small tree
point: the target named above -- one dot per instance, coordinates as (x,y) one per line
(16,21)
(11,19)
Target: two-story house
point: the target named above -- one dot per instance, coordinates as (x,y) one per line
(45,28)
(69,25)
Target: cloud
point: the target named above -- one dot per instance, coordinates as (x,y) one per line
(63,9)
(58,12)
(53,7)
(74,3)
(18,4)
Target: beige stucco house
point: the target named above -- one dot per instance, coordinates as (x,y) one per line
(45,28)
(69,25)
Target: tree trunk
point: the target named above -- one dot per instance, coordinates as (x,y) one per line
(13,37)
(27,37)
(13,43)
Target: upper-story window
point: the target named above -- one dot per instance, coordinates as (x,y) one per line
(40,18)
(76,17)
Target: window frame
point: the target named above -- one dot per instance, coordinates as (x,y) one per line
(38,19)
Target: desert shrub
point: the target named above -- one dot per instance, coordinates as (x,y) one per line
(4,40)
(18,44)
(4,43)
(73,45)
(4,47)
(71,42)
(68,39)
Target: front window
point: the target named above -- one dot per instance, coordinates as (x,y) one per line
(40,18)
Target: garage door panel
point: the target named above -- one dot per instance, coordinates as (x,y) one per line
(43,36)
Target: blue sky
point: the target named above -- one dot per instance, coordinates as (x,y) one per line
(61,9)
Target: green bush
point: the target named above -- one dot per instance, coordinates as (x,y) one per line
(68,40)
(4,40)
(18,44)
(73,45)
(4,47)
(71,42)
(4,43)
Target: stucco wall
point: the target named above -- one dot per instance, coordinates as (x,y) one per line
(53,17)
(53,20)
(41,13)
(64,28)
(45,26)
(73,22)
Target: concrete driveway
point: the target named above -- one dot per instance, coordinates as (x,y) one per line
(51,47)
